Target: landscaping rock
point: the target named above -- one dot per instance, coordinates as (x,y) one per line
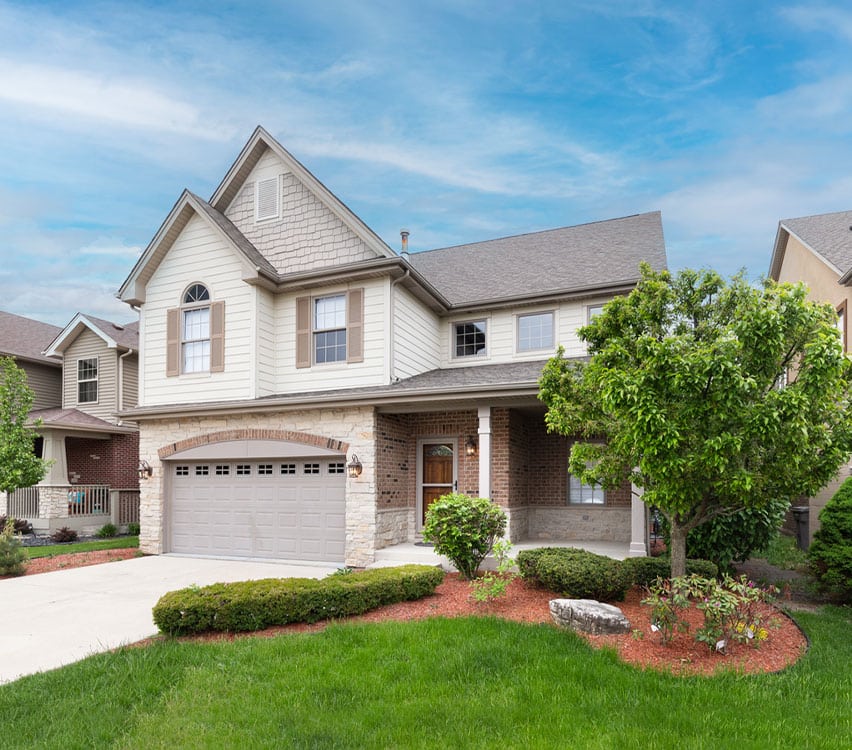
(589,616)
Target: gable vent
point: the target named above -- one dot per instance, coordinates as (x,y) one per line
(266,199)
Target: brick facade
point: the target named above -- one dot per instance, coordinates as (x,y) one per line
(112,462)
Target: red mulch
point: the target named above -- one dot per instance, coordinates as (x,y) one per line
(76,560)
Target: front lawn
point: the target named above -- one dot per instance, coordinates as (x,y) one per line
(479,683)
(51,550)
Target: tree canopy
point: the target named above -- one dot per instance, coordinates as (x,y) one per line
(19,466)
(711,396)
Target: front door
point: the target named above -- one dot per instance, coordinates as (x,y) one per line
(438,472)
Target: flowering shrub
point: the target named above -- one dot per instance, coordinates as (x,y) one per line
(729,607)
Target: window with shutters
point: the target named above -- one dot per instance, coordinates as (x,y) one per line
(266,202)
(195,333)
(330,328)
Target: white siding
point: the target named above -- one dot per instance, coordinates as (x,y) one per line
(339,374)
(306,236)
(417,332)
(89,345)
(45,382)
(266,337)
(198,255)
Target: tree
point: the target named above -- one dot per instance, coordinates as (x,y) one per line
(19,465)
(684,396)
(831,550)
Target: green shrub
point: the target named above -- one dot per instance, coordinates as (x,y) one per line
(725,539)
(254,605)
(13,556)
(464,529)
(107,531)
(643,571)
(64,535)
(22,526)
(133,528)
(831,550)
(575,573)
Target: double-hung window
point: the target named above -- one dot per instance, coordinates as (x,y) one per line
(329,328)
(584,494)
(469,339)
(195,330)
(535,332)
(87,381)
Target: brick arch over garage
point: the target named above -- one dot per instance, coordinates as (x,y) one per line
(305,438)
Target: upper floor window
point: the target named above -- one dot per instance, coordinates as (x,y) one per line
(195,333)
(592,311)
(330,329)
(469,338)
(87,381)
(266,199)
(841,323)
(535,331)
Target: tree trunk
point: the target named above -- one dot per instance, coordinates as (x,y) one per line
(678,548)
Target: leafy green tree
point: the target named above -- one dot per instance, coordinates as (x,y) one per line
(19,466)
(683,397)
(831,551)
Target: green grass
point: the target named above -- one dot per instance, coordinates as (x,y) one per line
(468,683)
(121,542)
(783,552)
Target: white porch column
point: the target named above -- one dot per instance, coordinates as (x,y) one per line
(484,451)
(637,523)
(53,449)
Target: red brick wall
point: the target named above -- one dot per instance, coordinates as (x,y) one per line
(112,462)
(395,468)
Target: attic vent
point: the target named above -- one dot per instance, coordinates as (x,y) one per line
(266,199)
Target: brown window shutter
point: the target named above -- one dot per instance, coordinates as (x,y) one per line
(172,342)
(355,326)
(217,337)
(303,332)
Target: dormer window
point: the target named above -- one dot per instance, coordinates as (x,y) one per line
(87,381)
(195,333)
(266,199)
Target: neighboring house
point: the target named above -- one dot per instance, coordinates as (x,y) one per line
(306,392)
(817,250)
(82,376)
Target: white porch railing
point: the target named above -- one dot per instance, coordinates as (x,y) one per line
(23,503)
(88,500)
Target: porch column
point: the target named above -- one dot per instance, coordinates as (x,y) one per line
(484,451)
(638,524)
(53,449)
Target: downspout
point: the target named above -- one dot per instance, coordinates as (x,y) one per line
(391,317)
(120,389)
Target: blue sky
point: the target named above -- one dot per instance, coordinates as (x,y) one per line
(460,121)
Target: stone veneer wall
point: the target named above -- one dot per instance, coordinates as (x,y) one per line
(354,428)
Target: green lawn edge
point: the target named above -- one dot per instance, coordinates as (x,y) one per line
(52,550)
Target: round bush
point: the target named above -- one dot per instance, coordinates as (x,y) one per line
(464,529)
(831,551)
(576,573)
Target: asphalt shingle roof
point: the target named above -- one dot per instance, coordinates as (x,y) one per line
(124,334)
(829,234)
(570,259)
(26,338)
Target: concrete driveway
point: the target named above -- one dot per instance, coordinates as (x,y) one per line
(52,619)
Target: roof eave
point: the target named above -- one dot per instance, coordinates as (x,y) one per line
(551,296)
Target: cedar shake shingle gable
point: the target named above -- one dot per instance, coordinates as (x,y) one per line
(26,338)
(574,259)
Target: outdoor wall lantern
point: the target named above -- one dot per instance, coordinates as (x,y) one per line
(470,446)
(144,470)
(354,467)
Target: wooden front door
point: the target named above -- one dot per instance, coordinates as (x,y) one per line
(438,462)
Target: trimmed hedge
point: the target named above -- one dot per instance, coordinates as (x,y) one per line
(575,573)
(255,605)
(643,571)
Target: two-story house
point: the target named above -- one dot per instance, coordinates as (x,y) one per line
(817,250)
(305,392)
(81,376)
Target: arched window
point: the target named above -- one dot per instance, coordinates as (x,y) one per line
(195,333)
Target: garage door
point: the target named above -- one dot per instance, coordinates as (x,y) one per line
(290,510)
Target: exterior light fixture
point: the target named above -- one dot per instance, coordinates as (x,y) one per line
(353,468)
(470,446)
(144,469)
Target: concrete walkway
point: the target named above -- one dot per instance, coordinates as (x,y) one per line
(52,619)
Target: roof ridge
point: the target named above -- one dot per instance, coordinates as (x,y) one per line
(816,216)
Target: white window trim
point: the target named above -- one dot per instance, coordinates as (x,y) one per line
(315,330)
(580,503)
(95,380)
(596,307)
(186,307)
(485,354)
(525,352)
(272,216)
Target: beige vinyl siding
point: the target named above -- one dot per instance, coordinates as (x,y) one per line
(416,335)
(130,372)
(198,255)
(45,382)
(371,371)
(265,333)
(89,345)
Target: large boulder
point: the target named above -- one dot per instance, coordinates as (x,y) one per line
(589,616)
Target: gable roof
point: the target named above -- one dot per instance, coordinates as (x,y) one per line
(829,236)
(25,338)
(76,420)
(114,335)
(577,260)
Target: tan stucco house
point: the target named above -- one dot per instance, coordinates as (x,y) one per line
(81,375)
(305,391)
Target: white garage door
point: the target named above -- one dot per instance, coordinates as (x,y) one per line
(291,510)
